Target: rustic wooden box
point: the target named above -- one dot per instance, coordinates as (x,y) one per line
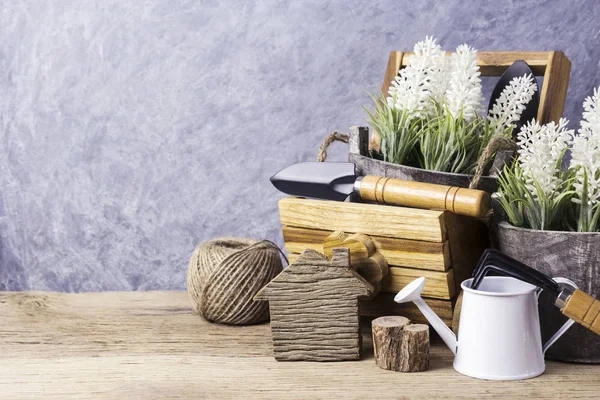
(439,245)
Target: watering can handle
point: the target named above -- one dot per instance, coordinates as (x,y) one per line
(561,331)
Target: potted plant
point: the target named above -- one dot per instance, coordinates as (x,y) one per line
(428,126)
(551,216)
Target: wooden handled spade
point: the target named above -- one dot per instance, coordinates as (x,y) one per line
(574,303)
(337,181)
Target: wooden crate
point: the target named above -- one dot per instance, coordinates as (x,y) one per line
(439,245)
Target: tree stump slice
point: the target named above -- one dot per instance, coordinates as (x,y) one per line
(387,341)
(414,348)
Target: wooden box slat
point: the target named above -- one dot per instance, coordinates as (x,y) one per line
(370,219)
(438,285)
(397,252)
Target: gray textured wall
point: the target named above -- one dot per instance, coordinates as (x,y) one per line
(132,130)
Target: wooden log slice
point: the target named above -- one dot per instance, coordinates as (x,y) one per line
(414,348)
(387,340)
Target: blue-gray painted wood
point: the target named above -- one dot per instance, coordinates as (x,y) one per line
(132,130)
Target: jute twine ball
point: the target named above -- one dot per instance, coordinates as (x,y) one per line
(225,274)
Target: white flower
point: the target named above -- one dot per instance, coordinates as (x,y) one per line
(420,80)
(585,153)
(464,94)
(511,103)
(541,148)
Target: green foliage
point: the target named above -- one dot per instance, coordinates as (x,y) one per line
(449,144)
(528,205)
(438,142)
(399,134)
(587,210)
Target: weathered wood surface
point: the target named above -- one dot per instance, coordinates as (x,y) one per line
(387,341)
(383,304)
(370,219)
(438,285)
(365,259)
(571,255)
(314,308)
(414,348)
(468,238)
(152,345)
(398,252)
(369,166)
(554,88)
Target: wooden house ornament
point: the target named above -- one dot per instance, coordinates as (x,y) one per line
(314,308)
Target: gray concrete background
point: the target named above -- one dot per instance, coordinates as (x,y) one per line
(132,130)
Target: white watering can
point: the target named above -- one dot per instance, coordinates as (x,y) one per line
(499,332)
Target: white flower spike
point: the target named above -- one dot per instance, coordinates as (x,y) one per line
(541,148)
(585,153)
(511,103)
(422,79)
(464,94)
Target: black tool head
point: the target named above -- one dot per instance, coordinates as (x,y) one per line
(329,181)
(517,69)
(494,261)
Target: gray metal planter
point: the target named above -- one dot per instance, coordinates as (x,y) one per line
(572,255)
(358,154)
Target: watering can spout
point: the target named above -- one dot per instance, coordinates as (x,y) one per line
(412,292)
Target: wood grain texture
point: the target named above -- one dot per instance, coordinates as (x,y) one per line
(365,259)
(370,219)
(397,252)
(383,304)
(494,63)
(584,309)
(373,268)
(314,308)
(414,348)
(393,66)
(554,88)
(387,341)
(468,238)
(152,345)
(335,239)
(438,285)
(409,193)
(365,165)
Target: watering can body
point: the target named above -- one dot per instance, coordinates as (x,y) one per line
(499,334)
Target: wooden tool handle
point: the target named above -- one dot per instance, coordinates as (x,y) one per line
(470,202)
(584,309)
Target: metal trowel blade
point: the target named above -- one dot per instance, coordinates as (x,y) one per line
(328,181)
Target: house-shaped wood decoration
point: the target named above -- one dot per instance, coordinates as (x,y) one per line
(314,308)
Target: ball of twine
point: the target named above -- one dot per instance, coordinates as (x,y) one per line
(225,274)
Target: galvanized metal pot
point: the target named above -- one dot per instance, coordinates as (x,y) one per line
(365,165)
(573,255)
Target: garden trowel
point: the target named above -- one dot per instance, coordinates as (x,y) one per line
(517,69)
(337,181)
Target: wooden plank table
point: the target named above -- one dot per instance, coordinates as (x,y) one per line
(151,345)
